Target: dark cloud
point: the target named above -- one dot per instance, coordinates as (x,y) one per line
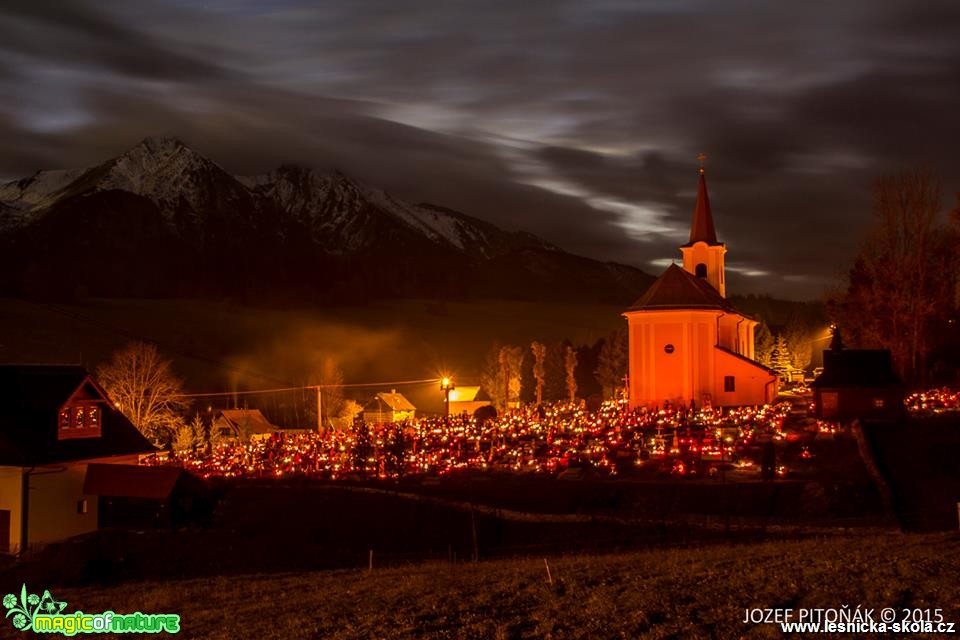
(577,121)
(74,34)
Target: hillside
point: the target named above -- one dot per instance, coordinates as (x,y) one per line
(675,593)
(220,345)
(162,220)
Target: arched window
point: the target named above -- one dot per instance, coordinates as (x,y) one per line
(701,270)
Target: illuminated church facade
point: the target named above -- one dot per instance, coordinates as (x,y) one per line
(687,343)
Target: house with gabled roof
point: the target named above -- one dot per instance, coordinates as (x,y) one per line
(467,399)
(243,425)
(388,407)
(857,383)
(687,342)
(55,420)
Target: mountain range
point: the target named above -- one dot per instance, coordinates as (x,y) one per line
(162,220)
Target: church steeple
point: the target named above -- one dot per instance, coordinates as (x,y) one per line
(702,229)
(703,255)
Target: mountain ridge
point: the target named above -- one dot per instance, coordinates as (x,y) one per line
(287,233)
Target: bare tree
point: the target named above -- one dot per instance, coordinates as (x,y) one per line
(144,388)
(510,360)
(903,273)
(539,371)
(613,361)
(501,374)
(570,367)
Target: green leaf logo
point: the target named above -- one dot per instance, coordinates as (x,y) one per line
(29,605)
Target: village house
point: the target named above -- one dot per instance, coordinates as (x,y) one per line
(857,383)
(467,400)
(242,425)
(55,421)
(388,407)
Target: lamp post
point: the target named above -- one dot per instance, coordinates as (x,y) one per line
(446,385)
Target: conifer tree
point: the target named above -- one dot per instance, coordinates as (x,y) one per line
(780,360)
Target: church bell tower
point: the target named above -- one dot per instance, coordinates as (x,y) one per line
(703,255)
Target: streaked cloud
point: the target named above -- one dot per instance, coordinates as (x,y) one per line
(576,121)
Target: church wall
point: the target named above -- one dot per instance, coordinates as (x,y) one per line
(748,341)
(684,373)
(727,336)
(752,384)
(672,369)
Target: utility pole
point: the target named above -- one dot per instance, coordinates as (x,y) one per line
(319,409)
(447,385)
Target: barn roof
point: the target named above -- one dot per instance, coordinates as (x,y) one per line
(747,360)
(32,398)
(678,289)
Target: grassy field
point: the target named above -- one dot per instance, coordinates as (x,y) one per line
(336,526)
(673,593)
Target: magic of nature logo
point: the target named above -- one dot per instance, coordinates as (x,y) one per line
(44,614)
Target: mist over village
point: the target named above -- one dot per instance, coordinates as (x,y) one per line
(479,320)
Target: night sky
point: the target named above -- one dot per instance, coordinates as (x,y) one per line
(578,121)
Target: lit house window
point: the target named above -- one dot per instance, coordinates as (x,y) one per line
(878,403)
(79,421)
(729,383)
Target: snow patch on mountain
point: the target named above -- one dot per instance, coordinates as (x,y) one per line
(29,193)
(343,215)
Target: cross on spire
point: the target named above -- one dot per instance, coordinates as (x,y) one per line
(702,157)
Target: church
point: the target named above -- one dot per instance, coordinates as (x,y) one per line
(687,343)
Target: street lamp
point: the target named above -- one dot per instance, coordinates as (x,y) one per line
(446,385)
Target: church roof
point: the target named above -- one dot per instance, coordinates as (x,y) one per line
(678,289)
(744,358)
(702,229)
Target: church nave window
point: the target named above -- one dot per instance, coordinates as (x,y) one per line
(729,383)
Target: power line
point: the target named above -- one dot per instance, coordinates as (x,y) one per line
(311,387)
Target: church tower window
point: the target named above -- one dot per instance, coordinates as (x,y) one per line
(701,270)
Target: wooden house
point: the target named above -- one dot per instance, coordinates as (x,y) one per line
(858,383)
(55,421)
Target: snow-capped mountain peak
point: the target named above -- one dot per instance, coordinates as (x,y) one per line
(293,224)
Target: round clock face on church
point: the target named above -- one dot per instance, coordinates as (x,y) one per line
(688,344)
